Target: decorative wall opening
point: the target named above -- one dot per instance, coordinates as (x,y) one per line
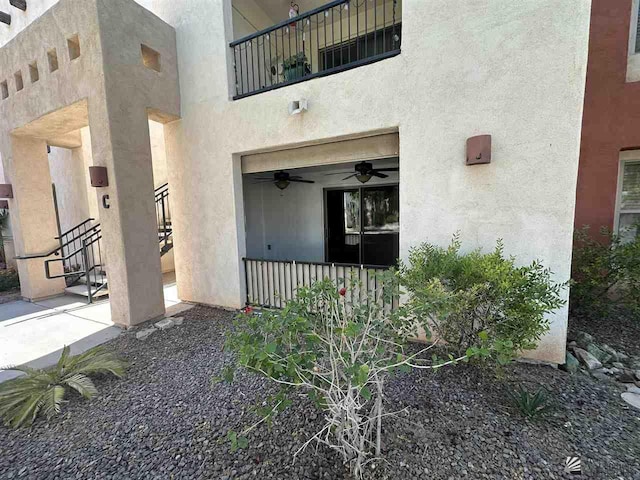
(52,55)
(18,78)
(150,58)
(33,72)
(73,44)
(4,90)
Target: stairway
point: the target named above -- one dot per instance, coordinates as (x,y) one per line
(81,253)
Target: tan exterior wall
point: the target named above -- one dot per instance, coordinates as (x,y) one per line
(457,76)
(515,70)
(109,89)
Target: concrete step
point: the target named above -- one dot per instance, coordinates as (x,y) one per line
(81,290)
(93,280)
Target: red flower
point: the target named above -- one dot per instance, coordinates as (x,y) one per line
(248,310)
(342,291)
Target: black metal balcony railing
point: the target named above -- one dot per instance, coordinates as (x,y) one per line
(340,35)
(272,283)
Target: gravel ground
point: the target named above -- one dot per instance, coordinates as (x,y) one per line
(166,420)
(10,296)
(621,331)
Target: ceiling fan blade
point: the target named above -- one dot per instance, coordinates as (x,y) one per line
(350,176)
(390,169)
(301,180)
(376,173)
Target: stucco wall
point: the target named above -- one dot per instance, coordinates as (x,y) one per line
(512,69)
(68,175)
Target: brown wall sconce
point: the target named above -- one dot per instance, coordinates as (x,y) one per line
(98,177)
(6,190)
(4,204)
(479,150)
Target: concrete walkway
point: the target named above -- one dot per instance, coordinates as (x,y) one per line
(35,333)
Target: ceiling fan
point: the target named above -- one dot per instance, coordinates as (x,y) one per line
(282,179)
(365,170)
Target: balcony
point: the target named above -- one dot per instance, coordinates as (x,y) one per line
(331,38)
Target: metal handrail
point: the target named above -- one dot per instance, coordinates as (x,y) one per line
(90,240)
(74,228)
(324,264)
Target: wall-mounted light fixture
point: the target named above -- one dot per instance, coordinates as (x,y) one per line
(98,177)
(6,190)
(298,106)
(479,150)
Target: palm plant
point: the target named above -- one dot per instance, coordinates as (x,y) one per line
(531,405)
(42,391)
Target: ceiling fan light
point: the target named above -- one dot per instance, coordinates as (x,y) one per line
(282,184)
(363,177)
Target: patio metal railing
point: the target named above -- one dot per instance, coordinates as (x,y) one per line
(340,35)
(272,283)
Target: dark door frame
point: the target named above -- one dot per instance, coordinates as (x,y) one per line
(325,213)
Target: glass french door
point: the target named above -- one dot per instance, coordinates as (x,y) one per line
(362,225)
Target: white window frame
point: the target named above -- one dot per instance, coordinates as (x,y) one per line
(626,157)
(633,58)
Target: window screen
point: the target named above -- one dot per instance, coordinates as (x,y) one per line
(630,202)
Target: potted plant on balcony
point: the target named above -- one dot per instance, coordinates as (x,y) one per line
(296,67)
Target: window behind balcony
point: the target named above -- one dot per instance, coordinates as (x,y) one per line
(367,46)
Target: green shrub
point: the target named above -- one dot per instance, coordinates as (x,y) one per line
(42,391)
(531,405)
(340,353)
(606,273)
(9,280)
(468,298)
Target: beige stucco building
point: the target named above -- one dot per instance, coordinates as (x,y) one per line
(238,92)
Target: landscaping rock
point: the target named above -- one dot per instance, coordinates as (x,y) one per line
(637,372)
(618,365)
(626,378)
(571,363)
(165,324)
(600,374)
(587,359)
(143,334)
(178,320)
(632,399)
(612,353)
(583,339)
(633,389)
(600,354)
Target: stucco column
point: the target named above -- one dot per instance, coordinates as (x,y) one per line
(33,218)
(120,142)
(87,160)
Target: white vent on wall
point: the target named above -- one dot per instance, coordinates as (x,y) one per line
(298,106)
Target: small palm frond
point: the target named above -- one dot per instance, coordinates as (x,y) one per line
(96,361)
(82,384)
(43,390)
(64,357)
(51,403)
(25,412)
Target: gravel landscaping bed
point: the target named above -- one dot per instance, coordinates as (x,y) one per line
(166,419)
(621,331)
